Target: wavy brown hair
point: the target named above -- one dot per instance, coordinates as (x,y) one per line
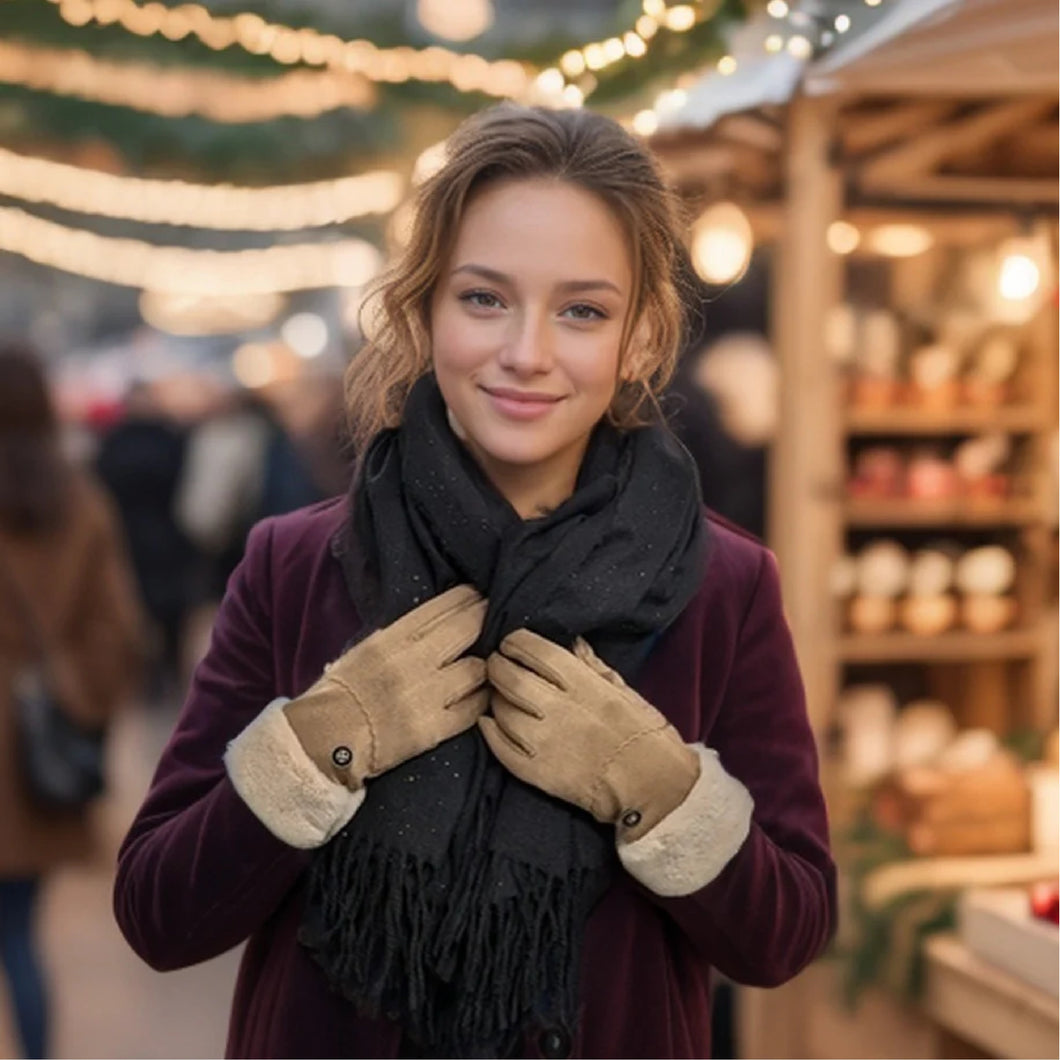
(35,477)
(511,142)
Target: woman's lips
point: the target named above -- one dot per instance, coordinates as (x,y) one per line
(520,404)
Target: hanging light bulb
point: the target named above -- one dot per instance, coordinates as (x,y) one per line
(1023,273)
(722,241)
(1018,277)
(452,21)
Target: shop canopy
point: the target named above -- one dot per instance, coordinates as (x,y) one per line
(941,48)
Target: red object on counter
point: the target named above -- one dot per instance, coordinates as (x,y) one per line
(1045,901)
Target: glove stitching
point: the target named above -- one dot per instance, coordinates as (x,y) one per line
(373,763)
(608,762)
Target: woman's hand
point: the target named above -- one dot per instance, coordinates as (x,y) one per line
(398,693)
(568,724)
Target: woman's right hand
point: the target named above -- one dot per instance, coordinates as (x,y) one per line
(398,693)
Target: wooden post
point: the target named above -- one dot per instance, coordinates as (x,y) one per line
(806,471)
(805,477)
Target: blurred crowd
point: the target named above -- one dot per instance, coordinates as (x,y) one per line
(191,465)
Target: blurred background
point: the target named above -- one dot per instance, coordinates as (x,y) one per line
(193,198)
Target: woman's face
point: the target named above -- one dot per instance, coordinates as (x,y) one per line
(526,326)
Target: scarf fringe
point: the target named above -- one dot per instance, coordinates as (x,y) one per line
(468,987)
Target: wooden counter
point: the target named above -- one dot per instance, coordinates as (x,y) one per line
(984,1006)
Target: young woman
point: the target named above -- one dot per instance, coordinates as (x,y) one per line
(63,568)
(501,754)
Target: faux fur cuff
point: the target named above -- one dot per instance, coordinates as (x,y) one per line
(692,844)
(279,782)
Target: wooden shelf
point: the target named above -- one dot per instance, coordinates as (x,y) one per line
(903,512)
(906,419)
(958,646)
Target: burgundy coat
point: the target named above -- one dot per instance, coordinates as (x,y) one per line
(199,874)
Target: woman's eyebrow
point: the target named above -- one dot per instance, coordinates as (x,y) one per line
(567,285)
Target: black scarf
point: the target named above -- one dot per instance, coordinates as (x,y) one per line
(455,900)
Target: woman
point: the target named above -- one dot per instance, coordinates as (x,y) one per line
(500,755)
(61,555)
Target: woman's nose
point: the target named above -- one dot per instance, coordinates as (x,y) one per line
(528,349)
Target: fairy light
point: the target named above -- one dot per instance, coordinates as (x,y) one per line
(595,59)
(573,96)
(572,63)
(550,81)
(634,44)
(182,271)
(842,237)
(774,42)
(842,23)
(174,202)
(727,65)
(680,18)
(646,27)
(777,8)
(221,97)
(645,122)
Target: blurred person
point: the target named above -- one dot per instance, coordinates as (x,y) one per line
(140,460)
(241,466)
(501,754)
(59,539)
(726,417)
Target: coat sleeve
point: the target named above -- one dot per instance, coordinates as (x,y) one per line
(771,907)
(198,873)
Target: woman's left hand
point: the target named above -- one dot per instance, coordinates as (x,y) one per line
(568,724)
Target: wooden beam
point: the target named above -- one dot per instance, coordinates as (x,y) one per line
(751,131)
(918,157)
(1016,191)
(742,166)
(862,131)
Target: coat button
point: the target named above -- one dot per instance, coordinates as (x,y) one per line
(554,1043)
(342,756)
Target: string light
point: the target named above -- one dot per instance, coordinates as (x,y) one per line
(179,270)
(808,30)
(222,206)
(501,78)
(220,97)
(801,30)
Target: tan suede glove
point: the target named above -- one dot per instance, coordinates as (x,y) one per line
(568,724)
(400,692)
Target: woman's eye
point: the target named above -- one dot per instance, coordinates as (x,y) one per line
(583,311)
(481,300)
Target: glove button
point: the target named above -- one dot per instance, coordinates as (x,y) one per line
(554,1043)
(342,756)
(631,818)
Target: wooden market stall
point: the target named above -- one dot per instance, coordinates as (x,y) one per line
(894,179)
